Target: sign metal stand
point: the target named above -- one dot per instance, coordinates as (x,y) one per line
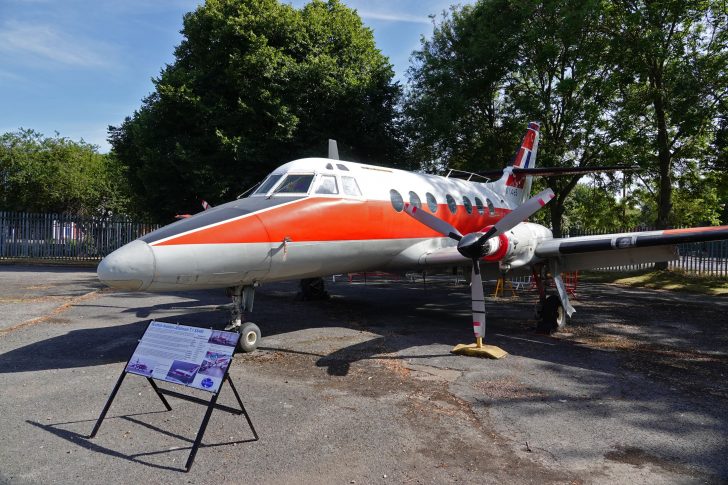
(161,392)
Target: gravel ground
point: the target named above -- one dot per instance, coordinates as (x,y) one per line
(362,388)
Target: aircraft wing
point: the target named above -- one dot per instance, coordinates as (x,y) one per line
(586,252)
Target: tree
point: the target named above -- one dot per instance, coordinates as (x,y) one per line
(478,82)
(594,206)
(55,174)
(255,84)
(674,84)
(454,108)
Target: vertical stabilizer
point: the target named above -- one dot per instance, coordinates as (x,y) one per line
(333,150)
(517,188)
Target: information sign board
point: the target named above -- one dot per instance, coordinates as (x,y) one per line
(191,356)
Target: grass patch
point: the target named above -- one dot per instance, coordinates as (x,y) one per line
(662,280)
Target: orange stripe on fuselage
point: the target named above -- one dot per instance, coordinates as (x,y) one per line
(695,230)
(330,219)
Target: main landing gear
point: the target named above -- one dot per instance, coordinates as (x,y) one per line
(243,297)
(550,311)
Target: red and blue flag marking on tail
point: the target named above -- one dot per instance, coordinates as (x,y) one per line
(523,157)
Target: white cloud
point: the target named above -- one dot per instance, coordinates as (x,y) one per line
(394,17)
(27,42)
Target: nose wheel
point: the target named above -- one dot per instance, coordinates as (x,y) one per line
(249,337)
(243,297)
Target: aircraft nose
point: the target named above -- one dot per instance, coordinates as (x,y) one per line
(131,267)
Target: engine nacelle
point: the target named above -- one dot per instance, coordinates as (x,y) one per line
(516,247)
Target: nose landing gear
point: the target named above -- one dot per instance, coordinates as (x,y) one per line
(243,297)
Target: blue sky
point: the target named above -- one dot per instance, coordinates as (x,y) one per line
(77,66)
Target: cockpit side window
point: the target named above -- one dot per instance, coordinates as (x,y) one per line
(327,185)
(268,183)
(350,186)
(295,184)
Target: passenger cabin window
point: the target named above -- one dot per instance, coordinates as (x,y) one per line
(491,207)
(451,204)
(295,184)
(350,186)
(415,200)
(479,205)
(268,183)
(327,185)
(431,202)
(468,205)
(397,201)
(329,166)
(342,167)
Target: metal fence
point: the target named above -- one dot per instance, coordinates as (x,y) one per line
(62,236)
(704,258)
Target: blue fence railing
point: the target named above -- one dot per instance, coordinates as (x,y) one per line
(62,236)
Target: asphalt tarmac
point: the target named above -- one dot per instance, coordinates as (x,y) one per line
(362,389)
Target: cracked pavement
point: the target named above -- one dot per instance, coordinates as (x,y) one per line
(362,388)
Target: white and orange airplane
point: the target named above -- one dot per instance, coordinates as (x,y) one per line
(321,216)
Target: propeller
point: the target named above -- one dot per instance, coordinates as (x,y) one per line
(473,246)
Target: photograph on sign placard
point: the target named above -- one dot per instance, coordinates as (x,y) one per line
(182,372)
(221,337)
(141,367)
(215,364)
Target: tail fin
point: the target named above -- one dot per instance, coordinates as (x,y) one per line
(517,188)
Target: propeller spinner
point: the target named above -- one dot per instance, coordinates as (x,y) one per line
(475,246)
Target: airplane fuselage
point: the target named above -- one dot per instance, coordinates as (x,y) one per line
(314,217)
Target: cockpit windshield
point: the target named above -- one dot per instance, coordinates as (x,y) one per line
(295,184)
(268,183)
(298,183)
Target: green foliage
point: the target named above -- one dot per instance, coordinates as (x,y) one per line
(696,199)
(611,81)
(478,82)
(594,206)
(255,84)
(454,109)
(671,59)
(44,174)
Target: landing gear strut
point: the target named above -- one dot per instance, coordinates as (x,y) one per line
(243,297)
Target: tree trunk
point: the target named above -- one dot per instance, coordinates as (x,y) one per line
(556,209)
(664,159)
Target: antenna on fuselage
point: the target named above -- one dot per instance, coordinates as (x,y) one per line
(333,150)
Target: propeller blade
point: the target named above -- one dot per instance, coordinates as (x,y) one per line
(478,301)
(519,214)
(434,223)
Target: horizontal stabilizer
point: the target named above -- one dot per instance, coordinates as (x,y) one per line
(558,171)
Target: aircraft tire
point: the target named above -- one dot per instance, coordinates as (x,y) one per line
(249,337)
(553,316)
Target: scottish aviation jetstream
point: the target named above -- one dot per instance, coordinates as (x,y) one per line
(321,216)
